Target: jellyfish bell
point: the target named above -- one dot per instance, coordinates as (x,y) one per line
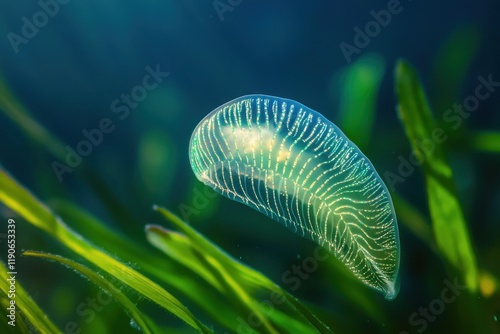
(295,166)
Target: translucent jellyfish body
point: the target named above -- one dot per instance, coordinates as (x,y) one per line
(292,164)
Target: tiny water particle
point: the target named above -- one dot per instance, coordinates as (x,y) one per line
(134,325)
(292,164)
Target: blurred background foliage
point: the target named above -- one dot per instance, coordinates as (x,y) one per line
(66,78)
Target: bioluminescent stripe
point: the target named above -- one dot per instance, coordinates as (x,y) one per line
(295,166)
